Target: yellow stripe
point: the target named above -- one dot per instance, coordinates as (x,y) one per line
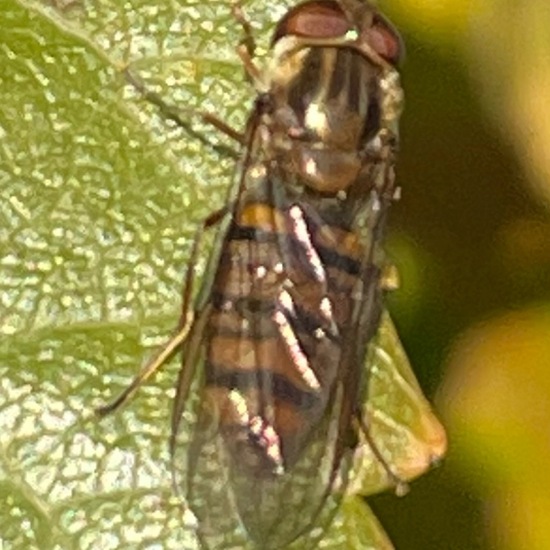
(262,216)
(270,219)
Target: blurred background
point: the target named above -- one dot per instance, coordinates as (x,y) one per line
(96,234)
(472,240)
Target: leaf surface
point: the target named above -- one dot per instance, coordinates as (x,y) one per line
(100,199)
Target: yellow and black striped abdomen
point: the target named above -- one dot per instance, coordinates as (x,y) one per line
(281,299)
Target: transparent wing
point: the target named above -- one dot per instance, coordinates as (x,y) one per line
(260,459)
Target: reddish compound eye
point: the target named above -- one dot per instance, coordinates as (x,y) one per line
(318,19)
(385,40)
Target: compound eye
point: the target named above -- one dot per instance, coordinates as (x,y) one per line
(320,19)
(317,19)
(384,39)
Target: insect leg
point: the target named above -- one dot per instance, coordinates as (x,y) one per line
(175,114)
(186,373)
(247,48)
(184,328)
(248,40)
(153,365)
(186,293)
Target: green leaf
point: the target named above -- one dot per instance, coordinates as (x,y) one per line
(355,527)
(406,433)
(100,199)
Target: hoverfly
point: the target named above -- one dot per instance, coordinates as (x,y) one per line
(288,339)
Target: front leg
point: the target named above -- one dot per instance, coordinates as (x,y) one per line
(175,114)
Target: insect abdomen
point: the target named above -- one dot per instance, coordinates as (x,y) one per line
(275,332)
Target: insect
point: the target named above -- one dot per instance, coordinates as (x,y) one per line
(281,344)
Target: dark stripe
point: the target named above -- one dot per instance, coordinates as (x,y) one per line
(355,83)
(305,84)
(332,258)
(339,69)
(241,304)
(302,321)
(329,257)
(247,233)
(261,379)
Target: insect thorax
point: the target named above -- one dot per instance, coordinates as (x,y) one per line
(333,114)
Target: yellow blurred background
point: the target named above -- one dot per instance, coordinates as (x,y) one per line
(471,237)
